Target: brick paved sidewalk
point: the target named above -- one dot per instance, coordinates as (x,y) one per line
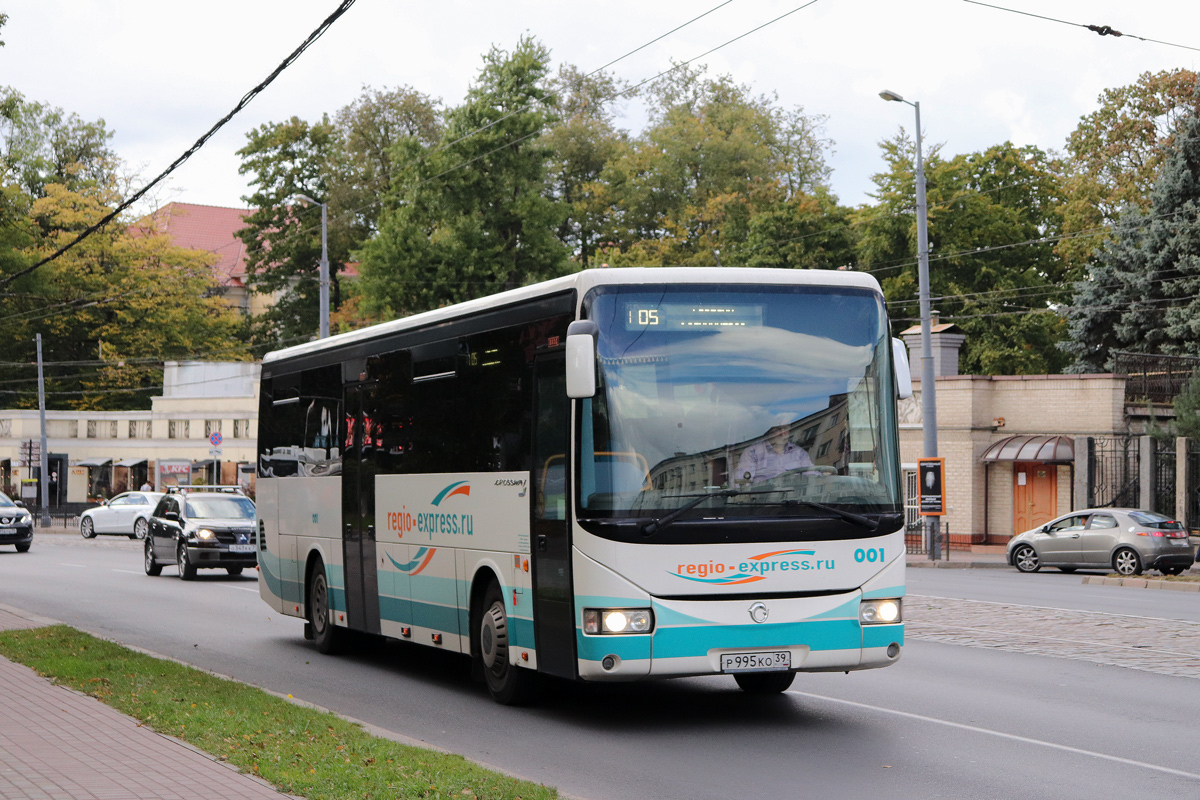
(58,743)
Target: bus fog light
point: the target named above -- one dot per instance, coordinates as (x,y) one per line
(617,620)
(879,612)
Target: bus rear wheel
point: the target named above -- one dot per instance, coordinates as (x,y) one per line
(329,638)
(507,683)
(764,682)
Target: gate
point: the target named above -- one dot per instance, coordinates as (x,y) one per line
(1163,488)
(1113,464)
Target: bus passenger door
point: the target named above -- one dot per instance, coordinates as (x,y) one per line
(554,604)
(359,570)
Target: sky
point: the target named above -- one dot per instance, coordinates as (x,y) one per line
(161,73)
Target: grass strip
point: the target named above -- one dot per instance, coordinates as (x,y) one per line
(301,751)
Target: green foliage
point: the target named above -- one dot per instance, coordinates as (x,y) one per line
(1187,409)
(1143,293)
(1115,155)
(301,751)
(979,205)
(473,216)
(715,156)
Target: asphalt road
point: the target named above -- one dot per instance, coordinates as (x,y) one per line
(957,718)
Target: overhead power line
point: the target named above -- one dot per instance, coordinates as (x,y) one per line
(287,62)
(1102,30)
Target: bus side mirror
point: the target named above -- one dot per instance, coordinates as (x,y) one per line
(581,358)
(904,388)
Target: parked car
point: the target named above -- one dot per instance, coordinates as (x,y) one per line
(16,524)
(126,514)
(202,527)
(1126,540)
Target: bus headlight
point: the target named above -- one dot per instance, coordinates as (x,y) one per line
(617,620)
(879,612)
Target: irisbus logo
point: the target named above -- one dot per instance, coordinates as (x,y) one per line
(440,521)
(753,569)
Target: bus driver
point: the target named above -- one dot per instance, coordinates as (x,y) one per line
(772,457)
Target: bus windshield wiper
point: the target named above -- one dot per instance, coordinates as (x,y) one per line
(849,516)
(656,525)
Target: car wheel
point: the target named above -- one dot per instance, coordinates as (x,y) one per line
(1025,559)
(153,568)
(139,528)
(187,570)
(234,570)
(24,547)
(1127,562)
(764,682)
(508,684)
(329,637)
(87,528)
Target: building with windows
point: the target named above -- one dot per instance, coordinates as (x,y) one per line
(201,430)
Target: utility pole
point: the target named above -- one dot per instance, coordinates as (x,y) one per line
(45,458)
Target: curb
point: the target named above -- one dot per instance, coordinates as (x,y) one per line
(1144,583)
(957,565)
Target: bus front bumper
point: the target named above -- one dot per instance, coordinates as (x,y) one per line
(821,634)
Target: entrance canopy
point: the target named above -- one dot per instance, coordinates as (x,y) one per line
(131,462)
(94,462)
(1046,449)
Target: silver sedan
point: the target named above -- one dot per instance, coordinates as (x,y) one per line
(125,515)
(1125,540)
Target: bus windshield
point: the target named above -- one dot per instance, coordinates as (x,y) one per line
(768,399)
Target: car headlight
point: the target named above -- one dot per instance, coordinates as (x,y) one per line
(205,535)
(879,612)
(617,620)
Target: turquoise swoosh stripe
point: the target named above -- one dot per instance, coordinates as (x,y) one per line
(883,635)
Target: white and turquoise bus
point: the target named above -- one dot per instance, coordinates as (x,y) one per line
(616,475)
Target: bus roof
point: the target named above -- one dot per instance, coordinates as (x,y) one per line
(583,281)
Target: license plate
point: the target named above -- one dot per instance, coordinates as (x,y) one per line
(241,548)
(7,530)
(774,661)
(1183,542)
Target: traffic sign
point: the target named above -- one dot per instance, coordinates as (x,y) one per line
(215,438)
(214,451)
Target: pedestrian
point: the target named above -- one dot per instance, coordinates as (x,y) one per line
(146,487)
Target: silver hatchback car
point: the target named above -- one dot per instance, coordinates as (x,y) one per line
(1126,540)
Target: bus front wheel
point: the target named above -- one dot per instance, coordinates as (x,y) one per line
(328,637)
(508,683)
(764,682)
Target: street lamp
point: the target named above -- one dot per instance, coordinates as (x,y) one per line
(928,400)
(324,332)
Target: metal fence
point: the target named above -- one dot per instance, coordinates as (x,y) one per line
(1113,469)
(1153,378)
(1163,485)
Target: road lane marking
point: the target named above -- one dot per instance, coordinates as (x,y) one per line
(80,566)
(241,588)
(130,571)
(1001,735)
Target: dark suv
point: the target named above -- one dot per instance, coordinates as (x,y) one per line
(16,524)
(202,527)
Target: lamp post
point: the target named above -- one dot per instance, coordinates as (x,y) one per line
(324,331)
(928,399)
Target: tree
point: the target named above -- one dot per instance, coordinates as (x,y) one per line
(991,272)
(713,157)
(282,235)
(472,216)
(1143,294)
(1115,154)
(581,146)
